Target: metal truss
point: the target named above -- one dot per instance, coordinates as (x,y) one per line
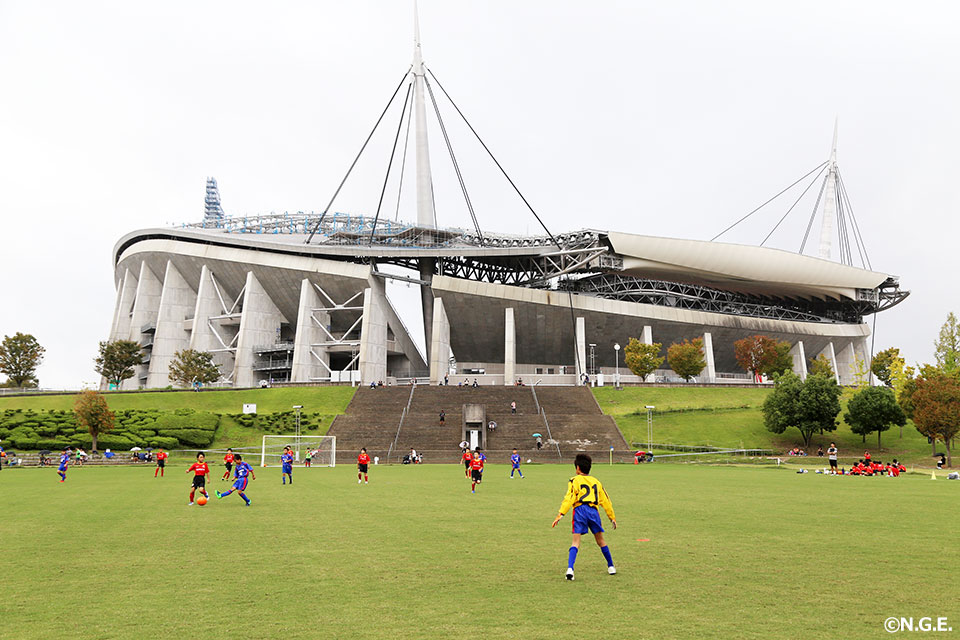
(699,298)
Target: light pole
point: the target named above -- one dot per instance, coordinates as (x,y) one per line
(616,376)
(650,409)
(297,408)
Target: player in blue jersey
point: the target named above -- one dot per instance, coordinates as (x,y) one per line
(515,464)
(64,463)
(483,458)
(286,462)
(242,472)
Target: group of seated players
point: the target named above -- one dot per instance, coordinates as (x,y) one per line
(875,468)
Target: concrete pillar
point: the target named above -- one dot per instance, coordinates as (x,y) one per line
(212,301)
(799,360)
(440,349)
(177,301)
(846,364)
(126,294)
(580,347)
(831,355)
(427,266)
(146,303)
(259,325)
(373,333)
(310,362)
(862,349)
(710,371)
(647,337)
(509,349)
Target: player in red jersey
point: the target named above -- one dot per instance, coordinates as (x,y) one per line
(161,461)
(200,472)
(363,462)
(476,470)
(467,458)
(228,463)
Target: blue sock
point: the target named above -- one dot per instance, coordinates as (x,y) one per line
(520,472)
(226,493)
(284,478)
(606,554)
(572,557)
(245,498)
(511,473)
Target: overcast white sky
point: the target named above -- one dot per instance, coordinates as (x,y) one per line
(663,118)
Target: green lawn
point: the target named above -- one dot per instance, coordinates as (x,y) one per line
(733,418)
(326,400)
(726,552)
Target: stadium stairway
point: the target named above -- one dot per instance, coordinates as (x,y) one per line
(575,421)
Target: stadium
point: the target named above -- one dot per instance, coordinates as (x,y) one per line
(301,298)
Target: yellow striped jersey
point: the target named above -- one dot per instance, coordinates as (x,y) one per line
(586,490)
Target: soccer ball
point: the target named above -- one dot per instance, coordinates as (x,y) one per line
(201,501)
(529,460)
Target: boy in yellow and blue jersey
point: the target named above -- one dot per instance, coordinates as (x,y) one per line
(584,494)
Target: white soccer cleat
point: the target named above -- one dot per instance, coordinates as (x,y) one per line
(612,571)
(189,504)
(358,481)
(569,574)
(366,482)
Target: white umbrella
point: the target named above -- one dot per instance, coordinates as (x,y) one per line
(135,449)
(464,444)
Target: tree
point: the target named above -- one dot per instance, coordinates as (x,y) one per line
(20,355)
(860,372)
(761,355)
(118,360)
(884,363)
(92,413)
(820,366)
(936,408)
(781,362)
(808,405)
(873,409)
(190,366)
(642,359)
(947,346)
(686,358)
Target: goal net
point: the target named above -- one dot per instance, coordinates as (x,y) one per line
(321,451)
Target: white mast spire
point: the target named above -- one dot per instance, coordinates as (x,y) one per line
(830,200)
(426,212)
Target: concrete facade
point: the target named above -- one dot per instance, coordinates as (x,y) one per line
(260,323)
(373,333)
(177,302)
(509,348)
(440,348)
(146,305)
(710,371)
(311,357)
(799,359)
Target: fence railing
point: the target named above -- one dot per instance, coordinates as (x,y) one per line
(403,416)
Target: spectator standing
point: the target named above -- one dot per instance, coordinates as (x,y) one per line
(443,416)
(513,407)
(832,456)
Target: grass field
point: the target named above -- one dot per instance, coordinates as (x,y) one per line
(733,417)
(701,551)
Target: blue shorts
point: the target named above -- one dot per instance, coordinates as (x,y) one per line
(516,466)
(586,518)
(240,484)
(63,467)
(287,468)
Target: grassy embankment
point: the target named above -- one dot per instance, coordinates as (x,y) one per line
(733,417)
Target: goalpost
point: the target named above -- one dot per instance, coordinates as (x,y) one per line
(322,450)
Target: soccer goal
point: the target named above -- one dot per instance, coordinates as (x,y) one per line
(321,450)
